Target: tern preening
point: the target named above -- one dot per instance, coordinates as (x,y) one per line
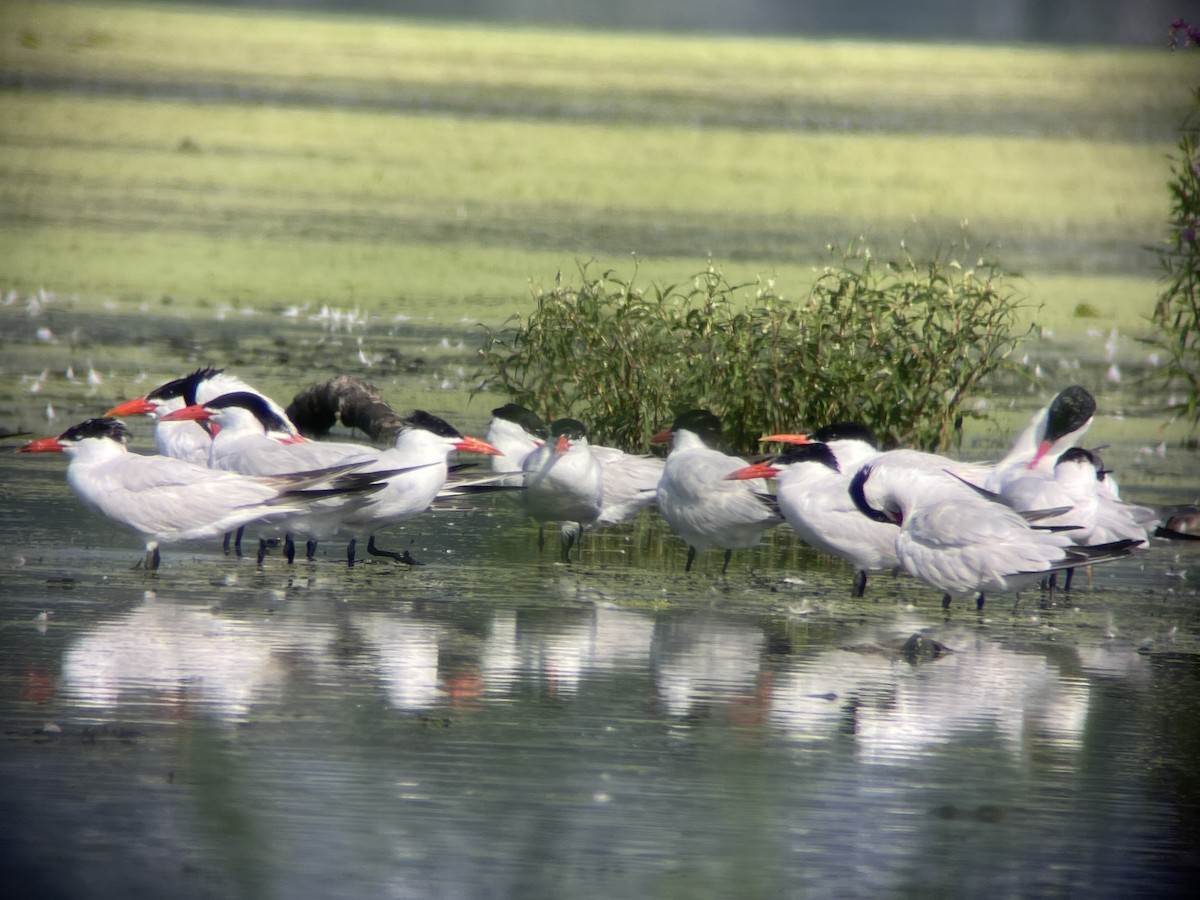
(629,479)
(1051,431)
(813,493)
(954,538)
(563,483)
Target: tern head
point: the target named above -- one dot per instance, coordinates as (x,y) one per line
(794,455)
(815,452)
(567,432)
(1069,413)
(254,404)
(419,419)
(171,395)
(525,418)
(845,431)
(701,422)
(103,428)
(1083,457)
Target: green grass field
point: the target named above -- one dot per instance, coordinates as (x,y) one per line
(214,158)
(178,177)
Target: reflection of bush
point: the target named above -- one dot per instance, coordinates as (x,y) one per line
(1177,313)
(899,346)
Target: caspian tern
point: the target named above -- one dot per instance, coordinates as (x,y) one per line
(563,483)
(423,446)
(166,500)
(188,439)
(516,432)
(1052,430)
(630,480)
(952,537)
(1078,482)
(415,467)
(696,500)
(813,494)
(817,502)
(247,441)
(630,483)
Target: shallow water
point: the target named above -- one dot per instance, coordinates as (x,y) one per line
(498,724)
(495,723)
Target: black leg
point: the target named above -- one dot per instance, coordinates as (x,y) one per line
(568,541)
(728,556)
(691,558)
(262,550)
(227,541)
(860,583)
(404,557)
(155,559)
(310,550)
(1070,576)
(541,538)
(979,602)
(350,551)
(237,541)
(289,548)
(945,601)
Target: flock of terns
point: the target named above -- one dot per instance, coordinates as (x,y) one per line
(229,458)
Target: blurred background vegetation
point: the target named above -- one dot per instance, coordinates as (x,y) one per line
(234,165)
(1064,21)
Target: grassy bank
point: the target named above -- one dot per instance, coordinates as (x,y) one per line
(160,156)
(194,186)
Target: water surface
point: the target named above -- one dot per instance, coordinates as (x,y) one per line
(497,724)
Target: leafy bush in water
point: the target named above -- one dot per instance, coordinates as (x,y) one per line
(1177,313)
(898,346)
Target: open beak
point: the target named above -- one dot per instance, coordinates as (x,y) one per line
(663,437)
(140,406)
(42,445)
(193,413)
(787,438)
(755,470)
(475,445)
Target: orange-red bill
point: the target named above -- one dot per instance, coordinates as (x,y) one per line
(193,413)
(137,407)
(754,470)
(475,445)
(1042,450)
(662,437)
(788,438)
(563,444)
(42,445)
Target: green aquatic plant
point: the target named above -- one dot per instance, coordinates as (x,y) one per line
(900,345)
(1177,312)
